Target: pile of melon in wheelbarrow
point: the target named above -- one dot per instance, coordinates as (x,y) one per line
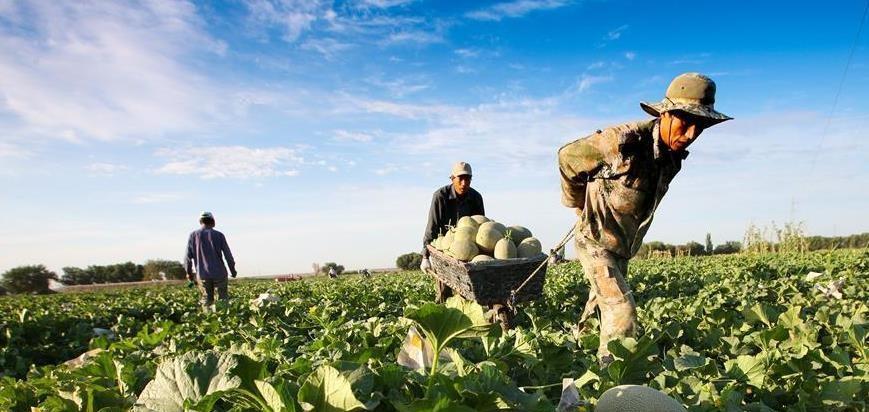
(492,264)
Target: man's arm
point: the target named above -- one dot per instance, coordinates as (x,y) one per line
(190,255)
(578,162)
(227,254)
(434,222)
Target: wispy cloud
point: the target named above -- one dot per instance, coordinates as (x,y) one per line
(105,169)
(361,137)
(630,55)
(417,37)
(616,33)
(586,81)
(231,162)
(154,198)
(293,16)
(514,9)
(400,87)
(327,47)
(13,151)
(467,52)
(105,70)
(385,4)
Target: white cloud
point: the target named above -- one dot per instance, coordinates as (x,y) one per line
(617,33)
(517,8)
(327,47)
(106,169)
(400,87)
(417,37)
(467,52)
(630,55)
(293,16)
(104,70)
(13,151)
(385,4)
(361,137)
(231,162)
(587,81)
(154,198)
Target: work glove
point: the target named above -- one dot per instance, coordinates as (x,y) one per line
(425,265)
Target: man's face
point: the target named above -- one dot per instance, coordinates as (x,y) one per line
(461,184)
(680,129)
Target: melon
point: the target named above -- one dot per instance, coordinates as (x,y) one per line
(487,236)
(447,241)
(529,247)
(505,249)
(467,221)
(482,259)
(519,233)
(463,248)
(468,231)
(480,219)
(636,398)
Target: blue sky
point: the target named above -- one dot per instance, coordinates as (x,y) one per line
(317,131)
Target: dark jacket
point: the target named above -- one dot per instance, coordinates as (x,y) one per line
(207,248)
(447,208)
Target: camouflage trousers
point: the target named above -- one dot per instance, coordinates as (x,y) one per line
(609,293)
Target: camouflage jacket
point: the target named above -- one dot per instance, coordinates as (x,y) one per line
(616,178)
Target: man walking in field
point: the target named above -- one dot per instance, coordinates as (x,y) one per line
(615,180)
(208,248)
(448,205)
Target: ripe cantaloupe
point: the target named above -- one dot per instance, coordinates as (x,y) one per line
(480,219)
(519,233)
(447,241)
(488,236)
(468,231)
(482,259)
(636,398)
(467,221)
(505,249)
(529,247)
(463,248)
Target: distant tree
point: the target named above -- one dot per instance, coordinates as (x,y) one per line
(409,261)
(2,291)
(695,249)
(75,276)
(728,248)
(28,279)
(328,265)
(709,247)
(163,269)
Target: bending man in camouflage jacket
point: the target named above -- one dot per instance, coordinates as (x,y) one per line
(615,180)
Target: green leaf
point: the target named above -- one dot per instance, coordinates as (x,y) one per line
(840,393)
(686,362)
(326,390)
(276,398)
(189,379)
(747,368)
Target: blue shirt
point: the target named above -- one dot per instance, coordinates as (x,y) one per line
(205,247)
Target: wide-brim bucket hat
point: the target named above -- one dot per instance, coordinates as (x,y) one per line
(693,93)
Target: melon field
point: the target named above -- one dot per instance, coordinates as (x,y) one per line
(721,333)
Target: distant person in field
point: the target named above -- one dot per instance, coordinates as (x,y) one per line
(615,179)
(448,205)
(207,248)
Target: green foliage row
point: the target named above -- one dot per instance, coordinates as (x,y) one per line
(735,332)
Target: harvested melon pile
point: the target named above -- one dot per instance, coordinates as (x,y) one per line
(478,239)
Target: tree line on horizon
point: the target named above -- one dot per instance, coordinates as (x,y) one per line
(37,278)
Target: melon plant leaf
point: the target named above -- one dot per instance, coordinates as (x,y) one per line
(276,397)
(747,368)
(327,390)
(188,378)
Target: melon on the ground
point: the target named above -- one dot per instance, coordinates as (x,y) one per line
(505,249)
(519,233)
(529,247)
(487,236)
(464,248)
(636,398)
